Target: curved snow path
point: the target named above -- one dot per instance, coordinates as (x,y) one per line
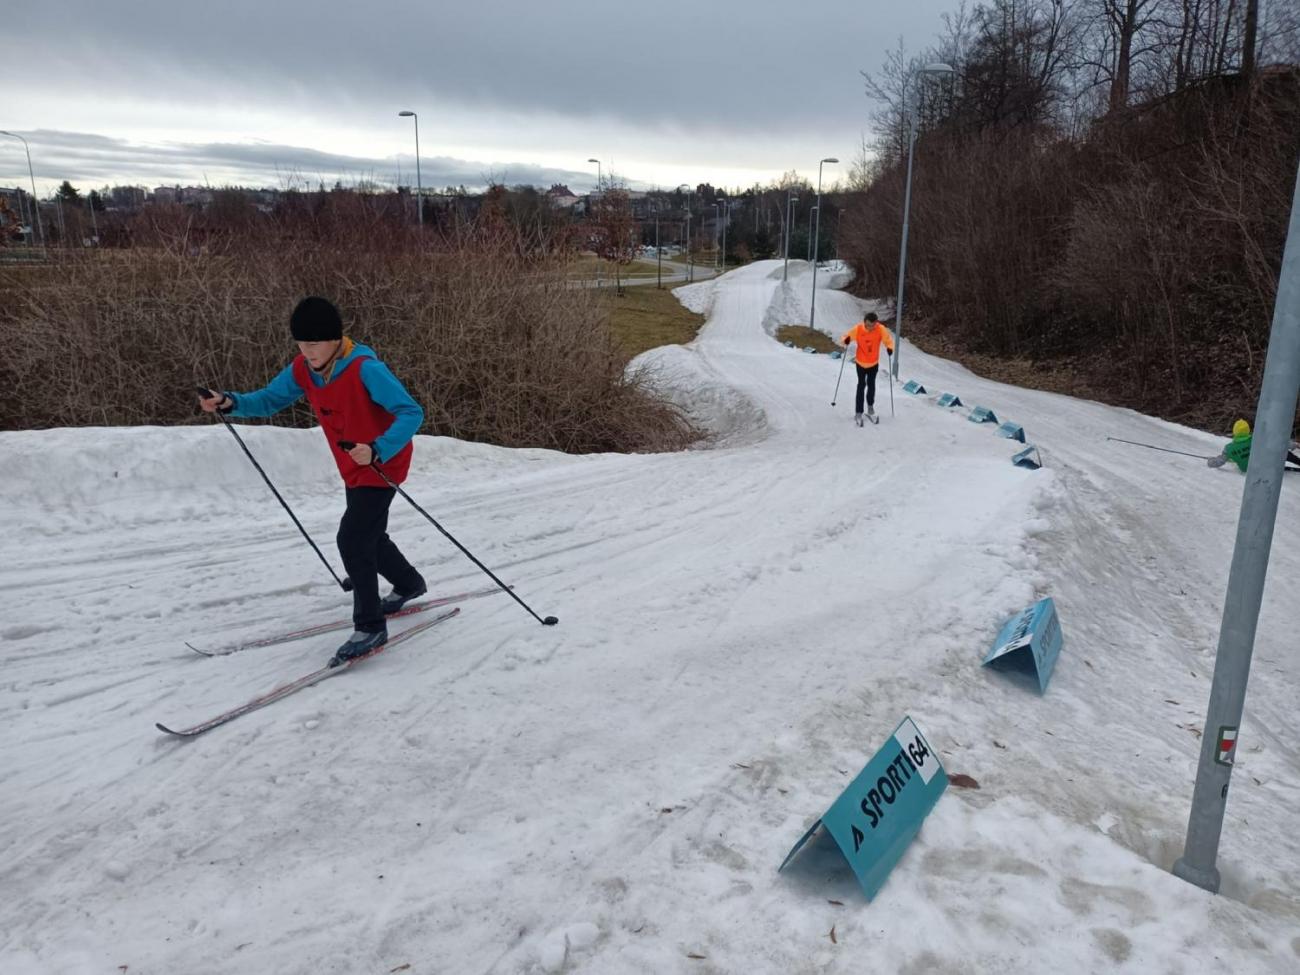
(740,629)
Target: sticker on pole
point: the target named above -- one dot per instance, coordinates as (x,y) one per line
(1030,640)
(875,819)
(1225,750)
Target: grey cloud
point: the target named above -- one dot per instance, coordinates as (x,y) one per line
(93,160)
(698,64)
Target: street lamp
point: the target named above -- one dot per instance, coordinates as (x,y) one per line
(597,162)
(690,257)
(726,218)
(715,231)
(790,201)
(935,70)
(812,312)
(36,206)
(419,190)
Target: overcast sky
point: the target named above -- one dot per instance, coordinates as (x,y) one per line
(160,92)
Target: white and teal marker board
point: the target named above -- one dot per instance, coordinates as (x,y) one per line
(1030,640)
(875,818)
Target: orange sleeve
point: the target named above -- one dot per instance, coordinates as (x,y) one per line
(847,335)
(889,338)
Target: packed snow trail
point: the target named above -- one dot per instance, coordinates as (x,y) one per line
(741,628)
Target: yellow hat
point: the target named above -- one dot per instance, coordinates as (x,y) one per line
(1240,429)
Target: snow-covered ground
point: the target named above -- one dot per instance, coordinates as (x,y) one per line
(740,629)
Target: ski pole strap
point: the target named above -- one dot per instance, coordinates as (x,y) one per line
(549,621)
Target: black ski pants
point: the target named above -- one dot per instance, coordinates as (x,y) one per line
(867,379)
(369,553)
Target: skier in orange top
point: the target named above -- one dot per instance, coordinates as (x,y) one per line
(869,335)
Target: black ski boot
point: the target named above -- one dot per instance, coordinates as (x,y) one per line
(359,644)
(396,600)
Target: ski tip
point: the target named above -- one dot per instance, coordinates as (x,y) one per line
(201,653)
(165,730)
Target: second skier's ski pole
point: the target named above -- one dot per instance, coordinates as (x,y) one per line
(1165,449)
(549,621)
(890,366)
(843,357)
(344,584)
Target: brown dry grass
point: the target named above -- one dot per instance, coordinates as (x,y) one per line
(803,336)
(645,318)
(491,341)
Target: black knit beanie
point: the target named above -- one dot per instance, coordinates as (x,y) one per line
(316,320)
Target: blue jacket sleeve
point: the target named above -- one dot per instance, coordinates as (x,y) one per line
(280,392)
(386,390)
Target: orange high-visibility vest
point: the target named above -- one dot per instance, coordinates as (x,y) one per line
(868,338)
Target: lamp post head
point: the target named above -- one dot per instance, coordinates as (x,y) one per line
(828,159)
(937,68)
(405,114)
(593,160)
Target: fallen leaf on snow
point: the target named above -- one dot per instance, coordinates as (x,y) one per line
(963,781)
(836,903)
(833,941)
(691,954)
(399,968)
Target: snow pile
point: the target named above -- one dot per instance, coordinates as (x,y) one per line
(740,628)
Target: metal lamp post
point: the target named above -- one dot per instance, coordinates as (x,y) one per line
(598,190)
(1241,605)
(36,205)
(419,190)
(690,257)
(812,311)
(935,70)
(790,201)
(715,231)
(726,219)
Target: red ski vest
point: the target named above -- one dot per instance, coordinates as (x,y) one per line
(345,411)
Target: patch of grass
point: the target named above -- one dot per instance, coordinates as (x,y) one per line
(586,266)
(802,336)
(645,318)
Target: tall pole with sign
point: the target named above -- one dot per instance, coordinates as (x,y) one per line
(1273,419)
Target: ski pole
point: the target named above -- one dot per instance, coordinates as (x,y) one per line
(344,584)
(843,358)
(549,621)
(890,368)
(1165,449)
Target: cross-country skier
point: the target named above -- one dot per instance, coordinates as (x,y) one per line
(1238,449)
(357,398)
(868,334)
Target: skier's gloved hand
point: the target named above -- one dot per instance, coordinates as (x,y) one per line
(362,453)
(217,403)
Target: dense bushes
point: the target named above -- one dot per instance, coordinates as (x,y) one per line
(492,342)
(1145,254)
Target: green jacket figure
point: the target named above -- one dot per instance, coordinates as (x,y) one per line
(1238,449)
